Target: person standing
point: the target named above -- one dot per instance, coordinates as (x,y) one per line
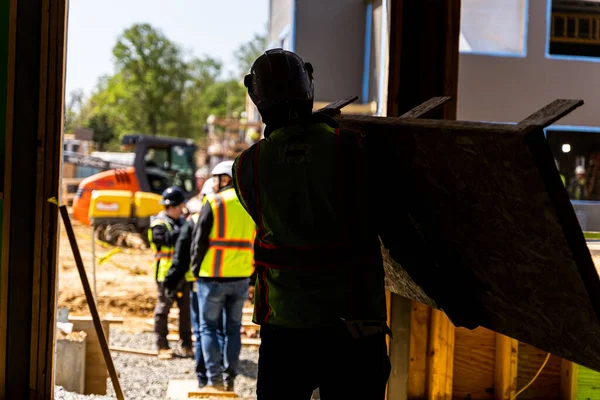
(319,297)
(163,233)
(222,255)
(181,265)
(578,184)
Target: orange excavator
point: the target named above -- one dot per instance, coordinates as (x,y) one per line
(122,200)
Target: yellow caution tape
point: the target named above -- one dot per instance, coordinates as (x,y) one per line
(108,255)
(53,200)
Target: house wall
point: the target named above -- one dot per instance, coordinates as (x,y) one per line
(333,40)
(281,14)
(508,89)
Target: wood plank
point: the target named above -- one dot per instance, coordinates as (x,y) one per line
(96,372)
(551,113)
(399,322)
(246,341)
(547,385)
(474,354)
(507,361)
(129,350)
(419,335)
(440,357)
(568,380)
(179,389)
(427,107)
(108,319)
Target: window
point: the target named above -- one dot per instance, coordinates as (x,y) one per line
(494,27)
(170,166)
(574,29)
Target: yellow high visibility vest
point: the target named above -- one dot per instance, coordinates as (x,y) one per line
(163,259)
(231,241)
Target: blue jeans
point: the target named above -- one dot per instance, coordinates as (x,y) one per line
(199,357)
(221,299)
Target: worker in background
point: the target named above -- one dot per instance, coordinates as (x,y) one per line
(195,203)
(319,295)
(578,184)
(222,256)
(178,269)
(163,233)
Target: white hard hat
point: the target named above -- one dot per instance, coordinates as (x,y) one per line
(207,188)
(202,172)
(579,170)
(224,168)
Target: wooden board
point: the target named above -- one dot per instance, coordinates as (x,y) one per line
(474,364)
(547,385)
(95,367)
(485,230)
(182,389)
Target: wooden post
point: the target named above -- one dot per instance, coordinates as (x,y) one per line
(419,335)
(507,358)
(400,319)
(440,357)
(32,169)
(568,380)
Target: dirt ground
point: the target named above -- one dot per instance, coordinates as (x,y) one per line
(125,284)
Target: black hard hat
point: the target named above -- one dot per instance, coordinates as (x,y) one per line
(279,76)
(172,196)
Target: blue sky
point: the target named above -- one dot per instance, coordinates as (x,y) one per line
(215,28)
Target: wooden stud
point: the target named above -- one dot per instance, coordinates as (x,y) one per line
(507,359)
(568,380)
(551,113)
(419,334)
(429,106)
(440,357)
(91,303)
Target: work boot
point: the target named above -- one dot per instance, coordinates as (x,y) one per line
(216,385)
(202,382)
(165,354)
(228,384)
(187,352)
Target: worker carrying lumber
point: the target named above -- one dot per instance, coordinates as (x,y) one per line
(222,255)
(181,265)
(319,295)
(162,235)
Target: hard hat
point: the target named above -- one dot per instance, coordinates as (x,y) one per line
(223,168)
(579,170)
(202,172)
(207,188)
(172,196)
(279,76)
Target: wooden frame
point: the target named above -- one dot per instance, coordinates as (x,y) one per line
(29,251)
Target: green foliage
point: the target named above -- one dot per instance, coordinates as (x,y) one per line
(103,130)
(157,90)
(248,52)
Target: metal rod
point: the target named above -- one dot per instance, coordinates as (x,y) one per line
(94,263)
(114,378)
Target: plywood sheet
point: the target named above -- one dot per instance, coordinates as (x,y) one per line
(547,384)
(474,364)
(475,214)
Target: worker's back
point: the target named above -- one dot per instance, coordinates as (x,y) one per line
(317,252)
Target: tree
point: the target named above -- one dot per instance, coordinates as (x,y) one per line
(73,110)
(103,130)
(248,52)
(153,74)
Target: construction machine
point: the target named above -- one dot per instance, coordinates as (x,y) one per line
(120,201)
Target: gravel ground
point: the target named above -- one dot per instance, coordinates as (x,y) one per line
(145,377)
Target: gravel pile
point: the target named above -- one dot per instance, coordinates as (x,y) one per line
(146,377)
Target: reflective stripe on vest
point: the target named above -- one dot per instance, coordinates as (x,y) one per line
(163,256)
(230,252)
